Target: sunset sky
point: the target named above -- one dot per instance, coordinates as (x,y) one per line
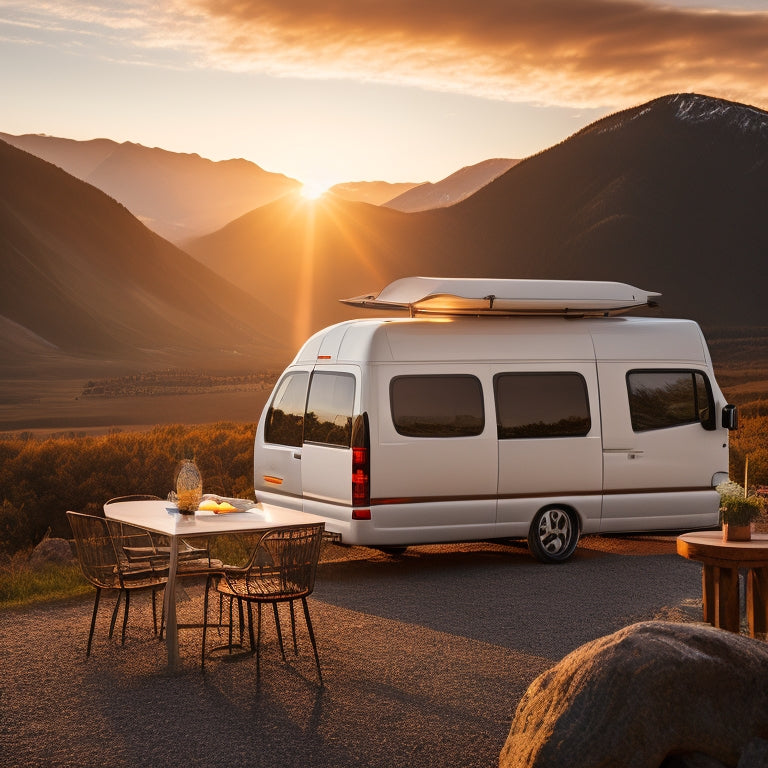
(341,90)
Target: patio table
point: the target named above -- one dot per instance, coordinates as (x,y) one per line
(163,517)
(721,562)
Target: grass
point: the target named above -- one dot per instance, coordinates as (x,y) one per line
(22,585)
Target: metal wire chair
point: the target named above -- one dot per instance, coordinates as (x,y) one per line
(139,544)
(281,569)
(102,566)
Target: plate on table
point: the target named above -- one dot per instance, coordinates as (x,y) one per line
(218,508)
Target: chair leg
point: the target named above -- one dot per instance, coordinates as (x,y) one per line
(114,613)
(293,628)
(279,631)
(258,637)
(205,620)
(93,621)
(125,614)
(312,637)
(154,611)
(229,628)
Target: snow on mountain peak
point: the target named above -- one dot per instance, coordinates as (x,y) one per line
(696,109)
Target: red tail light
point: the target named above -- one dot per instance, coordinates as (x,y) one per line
(361,466)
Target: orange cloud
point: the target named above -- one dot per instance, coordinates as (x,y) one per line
(574,52)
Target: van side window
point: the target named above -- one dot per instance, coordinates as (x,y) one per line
(437,405)
(541,405)
(661,399)
(329,409)
(284,424)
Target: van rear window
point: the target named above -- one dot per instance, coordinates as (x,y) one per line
(661,399)
(285,418)
(541,405)
(329,409)
(437,406)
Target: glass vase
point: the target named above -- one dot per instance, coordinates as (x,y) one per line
(189,487)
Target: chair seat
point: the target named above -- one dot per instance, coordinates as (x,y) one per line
(144,575)
(145,553)
(267,588)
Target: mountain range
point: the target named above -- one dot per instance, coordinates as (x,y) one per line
(84,280)
(670,196)
(176,195)
(452,189)
(182,196)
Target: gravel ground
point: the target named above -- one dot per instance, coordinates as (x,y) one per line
(425,657)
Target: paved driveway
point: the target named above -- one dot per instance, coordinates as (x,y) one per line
(425,657)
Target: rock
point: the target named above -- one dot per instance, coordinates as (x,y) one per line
(691,760)
(50,550)
(633,698)
(755,755)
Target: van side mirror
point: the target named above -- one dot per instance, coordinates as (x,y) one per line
(730,417)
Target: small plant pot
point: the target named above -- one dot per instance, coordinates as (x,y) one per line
(733,532)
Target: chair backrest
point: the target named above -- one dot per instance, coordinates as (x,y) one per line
(291,554)
(131,542)
(95,550)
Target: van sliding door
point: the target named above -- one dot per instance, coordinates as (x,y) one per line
(550,452)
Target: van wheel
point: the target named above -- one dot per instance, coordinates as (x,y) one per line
(553,535)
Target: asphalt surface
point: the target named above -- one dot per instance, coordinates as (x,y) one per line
(425,657)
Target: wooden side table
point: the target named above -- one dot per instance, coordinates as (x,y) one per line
(721,561)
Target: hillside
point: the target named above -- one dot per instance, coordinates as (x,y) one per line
(176,195)
(83,280)
(452,189)
(373,192)
(669,196)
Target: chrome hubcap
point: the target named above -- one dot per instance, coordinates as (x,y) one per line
(554,531)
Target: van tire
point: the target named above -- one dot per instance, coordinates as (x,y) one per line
(553,535)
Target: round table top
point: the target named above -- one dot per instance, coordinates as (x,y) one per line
(709,548)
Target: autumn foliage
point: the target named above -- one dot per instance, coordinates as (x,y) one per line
(41,479)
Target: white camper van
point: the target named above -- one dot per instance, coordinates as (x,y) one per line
(498,409)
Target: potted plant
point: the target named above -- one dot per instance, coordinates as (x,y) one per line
(738,511)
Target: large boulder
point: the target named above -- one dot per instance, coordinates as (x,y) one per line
(635,697)
(52,550)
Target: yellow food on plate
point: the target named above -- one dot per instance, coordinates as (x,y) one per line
(224,506)
(209,505)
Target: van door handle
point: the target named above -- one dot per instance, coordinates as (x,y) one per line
(296,455)
(631,452)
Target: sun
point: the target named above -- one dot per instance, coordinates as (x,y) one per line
(312,190)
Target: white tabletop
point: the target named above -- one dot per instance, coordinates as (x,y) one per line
(164,517)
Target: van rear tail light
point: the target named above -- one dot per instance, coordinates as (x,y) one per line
(361,514)
(361,493)
(361,466)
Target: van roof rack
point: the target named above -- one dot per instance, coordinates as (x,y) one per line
(480,296)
